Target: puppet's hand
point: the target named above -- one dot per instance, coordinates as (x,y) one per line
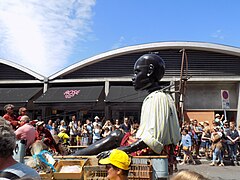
(103,154)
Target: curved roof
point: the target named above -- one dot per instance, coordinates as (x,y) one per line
(149,47)
(22,68)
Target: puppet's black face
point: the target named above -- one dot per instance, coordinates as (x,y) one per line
(140,79)
(148,70)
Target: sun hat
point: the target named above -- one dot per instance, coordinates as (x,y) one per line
(117,158)
(206,122)
(96,117)
(39,123)
(201,123)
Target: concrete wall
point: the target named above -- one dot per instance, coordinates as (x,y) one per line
(207,96)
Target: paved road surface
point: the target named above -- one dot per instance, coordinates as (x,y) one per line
(228,172)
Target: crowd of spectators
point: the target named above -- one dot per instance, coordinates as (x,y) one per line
(216,141)
(84,133)
(74,133)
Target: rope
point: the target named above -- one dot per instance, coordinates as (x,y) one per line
(43,159)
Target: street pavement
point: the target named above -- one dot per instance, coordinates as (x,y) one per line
(227,172)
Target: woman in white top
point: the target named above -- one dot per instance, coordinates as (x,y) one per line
(97,133)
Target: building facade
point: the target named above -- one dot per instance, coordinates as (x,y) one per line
(20,86)
(101,85)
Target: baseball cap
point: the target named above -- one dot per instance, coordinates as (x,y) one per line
(117,158)
(217,115)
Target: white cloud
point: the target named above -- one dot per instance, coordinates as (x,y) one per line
(218,34)
(40,35)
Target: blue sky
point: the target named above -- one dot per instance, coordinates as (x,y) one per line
(47,37)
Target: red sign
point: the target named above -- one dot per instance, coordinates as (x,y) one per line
(225,99)
(225,94)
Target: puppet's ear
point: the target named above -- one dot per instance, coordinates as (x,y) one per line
(150,70)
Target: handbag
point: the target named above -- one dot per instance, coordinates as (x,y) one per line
(185,148)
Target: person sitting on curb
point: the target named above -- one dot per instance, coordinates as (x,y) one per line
(118,164)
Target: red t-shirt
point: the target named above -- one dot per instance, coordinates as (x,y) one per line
(12,119)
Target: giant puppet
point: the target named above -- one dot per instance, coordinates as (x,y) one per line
(159,124)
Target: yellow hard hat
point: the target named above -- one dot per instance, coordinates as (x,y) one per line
(117,158)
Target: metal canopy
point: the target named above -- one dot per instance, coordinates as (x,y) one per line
(17,95)
(71,95)
(125,94)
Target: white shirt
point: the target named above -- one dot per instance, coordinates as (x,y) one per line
(159,124)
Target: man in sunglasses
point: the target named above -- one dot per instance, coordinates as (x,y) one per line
(10,116)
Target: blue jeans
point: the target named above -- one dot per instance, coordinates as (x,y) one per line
(217,154)
(233,151)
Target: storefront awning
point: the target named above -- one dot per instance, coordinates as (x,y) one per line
(125,94)
(71,95)
(17,95)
